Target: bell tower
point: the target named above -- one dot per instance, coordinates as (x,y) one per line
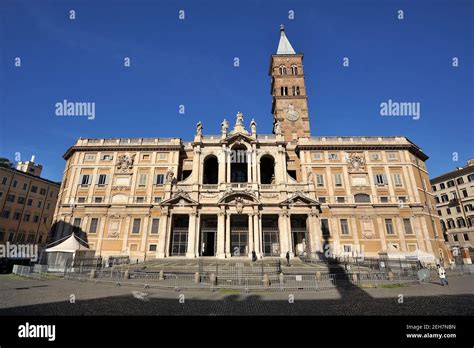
(289,101)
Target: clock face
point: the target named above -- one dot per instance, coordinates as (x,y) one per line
(291,113)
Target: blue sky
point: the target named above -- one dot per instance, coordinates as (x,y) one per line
(190,62)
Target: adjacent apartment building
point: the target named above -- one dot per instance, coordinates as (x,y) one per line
(238,191)
(27,203)
(455,205)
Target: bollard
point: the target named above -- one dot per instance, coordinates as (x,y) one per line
(162,275)
(266,280)
(197,278)
(318,275)
(92,276)
(212,279)
(126,275)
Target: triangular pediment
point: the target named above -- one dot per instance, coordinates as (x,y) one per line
(299,199)
(238,138)
(179,198)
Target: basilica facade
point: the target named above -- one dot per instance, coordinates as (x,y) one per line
(240,193)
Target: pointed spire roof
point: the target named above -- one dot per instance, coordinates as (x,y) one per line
(284,46)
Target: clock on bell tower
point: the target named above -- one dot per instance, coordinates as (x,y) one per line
(289,104)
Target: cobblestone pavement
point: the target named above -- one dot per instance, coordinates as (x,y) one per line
(22,296)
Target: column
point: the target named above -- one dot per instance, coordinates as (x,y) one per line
(125,234)
(101,232)
(250,234)
(227,235)
(257,232)
(221,230)
(284,234)
(161,248)
(222,165)
(198,233)
(191,235)
(145,231)
(315,237)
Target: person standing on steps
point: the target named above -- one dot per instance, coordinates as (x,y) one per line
(288,258)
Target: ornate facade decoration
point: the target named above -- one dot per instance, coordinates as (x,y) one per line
(125,162)
(356,162)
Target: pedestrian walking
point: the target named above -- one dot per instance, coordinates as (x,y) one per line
(287,258)
(442,275)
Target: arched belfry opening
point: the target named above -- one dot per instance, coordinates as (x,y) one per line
(210,170)
(267,170)
(239,164)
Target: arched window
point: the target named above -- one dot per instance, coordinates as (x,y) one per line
(362,198)
(284,90)
(282,70)
(210,170)
(267,170)
(238,164)
(294,70)
(443,225)
(296,90)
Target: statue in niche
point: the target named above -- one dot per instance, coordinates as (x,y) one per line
(277,128)
(253,126)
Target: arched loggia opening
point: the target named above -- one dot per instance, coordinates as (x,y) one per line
(210,170)
(267,170)
(239,164)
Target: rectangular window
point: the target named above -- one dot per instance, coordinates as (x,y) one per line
(102,179)
(93,225)
(384,200)
(90,157)
(39,204)
(322,199)
(162,156)
(21,200)
(344,227)
(81,199)
(107,157)
(389,226)
(43,191)
(16,216)
(380,179)
(332,156)
(142,180)
(455,238)
(11,198)
(325,228)
(464,193)
(347,248)
(444,198)
(316,156)
(433,188)
(152,247)
(140,200)
(5,214)
(155,224)
(450,183)
(136,226)
(320,180)
(98,199)
(392,156)
(460,181)
(4,180)
(375,156)
(159,180)
(341,199)
(84,179)
(146,156)
(466,237)
(337,180)
(442,186)
(76,224)
(407,226)
(157,199)
(397,179)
